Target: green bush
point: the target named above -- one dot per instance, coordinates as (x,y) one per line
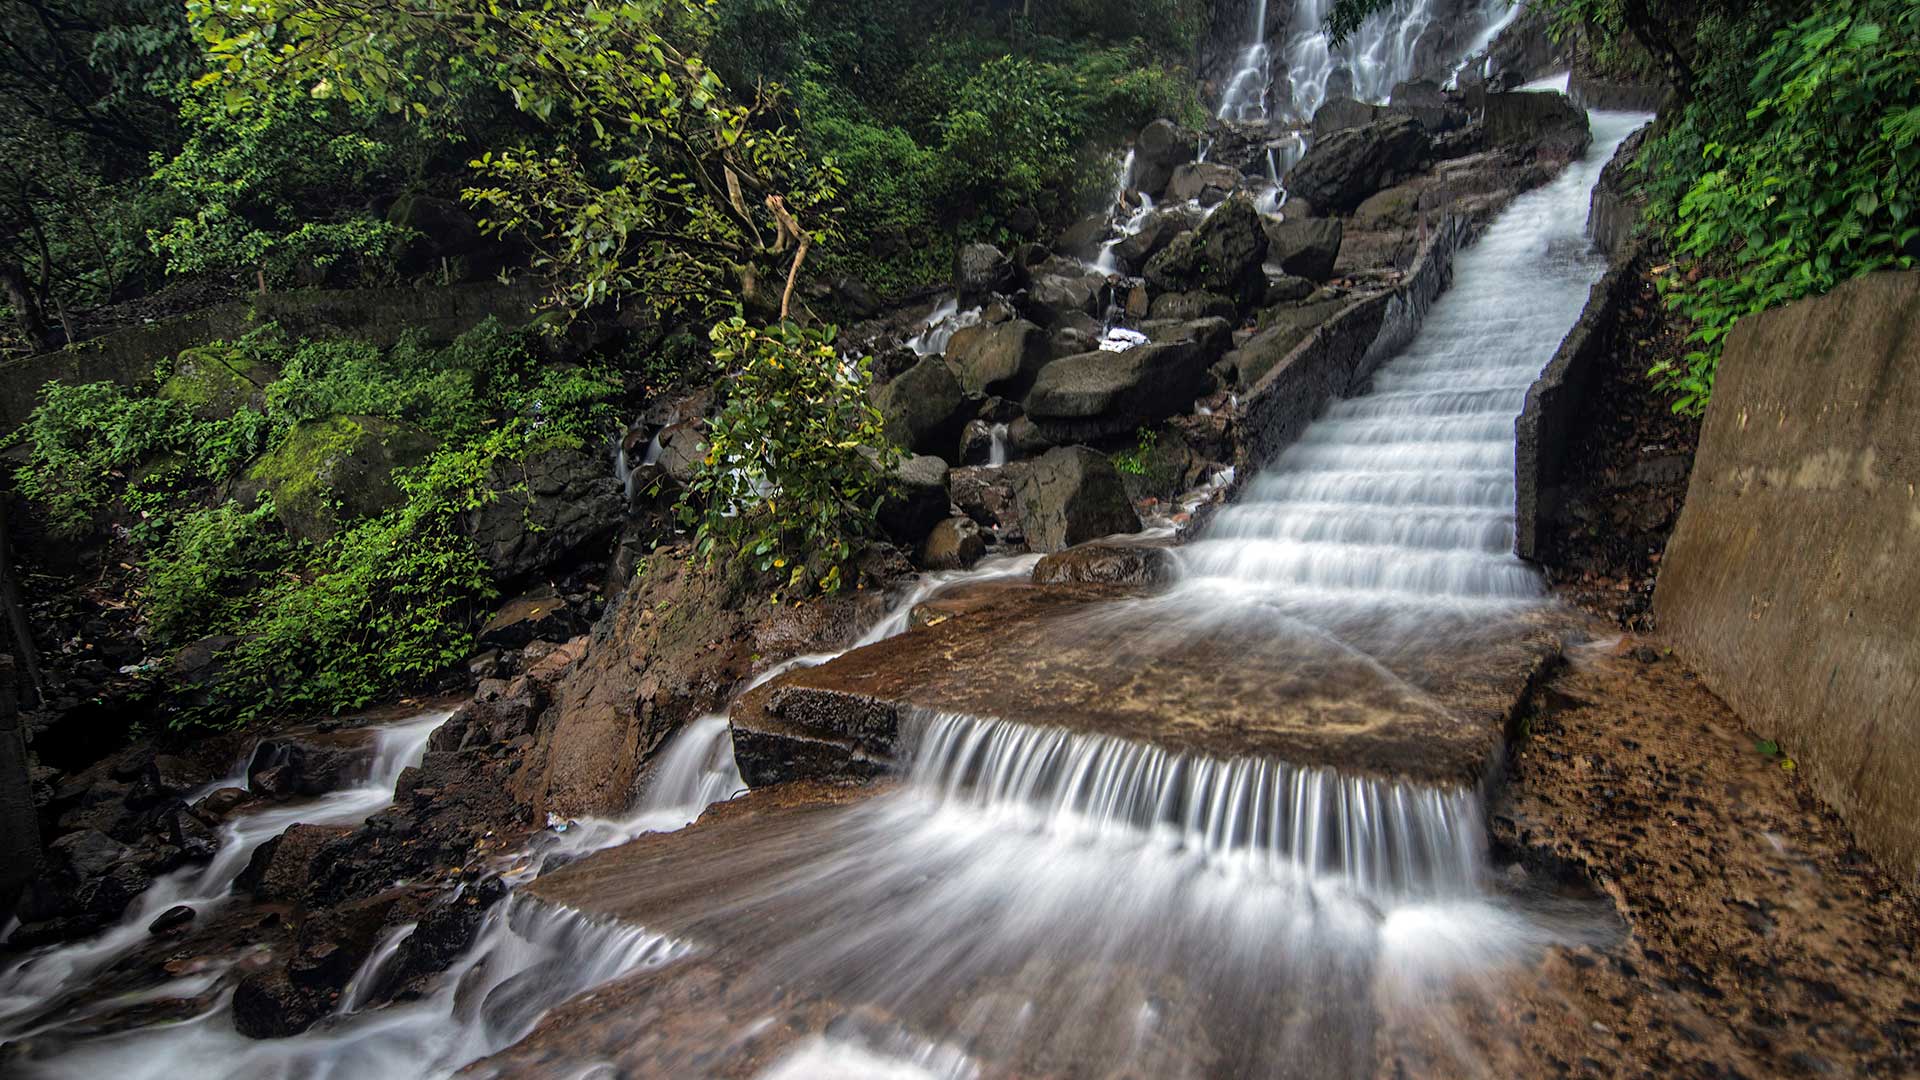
(1789,175)
(796,463)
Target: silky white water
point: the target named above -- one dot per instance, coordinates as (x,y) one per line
(31,983)
(1405,494)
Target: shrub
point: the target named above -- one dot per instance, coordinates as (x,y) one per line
(1804,175)
(796,463)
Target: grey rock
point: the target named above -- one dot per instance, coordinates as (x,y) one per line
(925,409)
(954,544)
(559,507)
(1106,393)
(1000,360)
(1344,168)
(1304,247)
(1071,495)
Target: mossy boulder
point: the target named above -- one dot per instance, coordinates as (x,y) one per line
(216,381)
(334,471)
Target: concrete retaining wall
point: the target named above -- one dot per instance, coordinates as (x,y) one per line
(1792,583)
(128,357)
(1340,356)
(1556,402)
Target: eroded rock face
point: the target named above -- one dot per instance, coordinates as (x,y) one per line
(926,408)
(676,647)
(1071,495)
(1547,122)
(1282,331)
(1341,170)
(560,507)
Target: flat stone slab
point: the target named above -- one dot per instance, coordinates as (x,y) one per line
(1165,671)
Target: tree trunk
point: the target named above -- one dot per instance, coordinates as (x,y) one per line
(26,310)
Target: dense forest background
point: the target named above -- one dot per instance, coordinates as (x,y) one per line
(724,180)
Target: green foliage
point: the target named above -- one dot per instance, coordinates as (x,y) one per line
(383,602)
(1809,185)
(796,463)
(648,182)
(277,181)
(1135,462)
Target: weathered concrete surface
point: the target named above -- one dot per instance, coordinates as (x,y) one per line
(1153,671)
(1551,420)
(1345,350)
(1791,583)
(128,357)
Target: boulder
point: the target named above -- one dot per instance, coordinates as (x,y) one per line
(1214,335)
(1207,182)
(1341,170)
(1192,305)
(1082,240)
(1157,230)
(281,867)
(87,853)
(332,472)
(1548,122)
(1099,394)
(1071,495)
(1059,293)
(926,408)
(289,765)
(558,507)
(1162,147)
(1287,289)
(918,500)
(1304,247)
(539,615)
(999,360)
(954,544)
(216,381)
(1106,564)
(980,271)
(1340,114)
(1225,255)
(683,447)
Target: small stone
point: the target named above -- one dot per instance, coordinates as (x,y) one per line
(174,918)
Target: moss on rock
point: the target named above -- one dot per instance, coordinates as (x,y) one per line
(337,470)
(216,381)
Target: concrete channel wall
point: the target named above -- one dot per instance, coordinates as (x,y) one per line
(1792,583)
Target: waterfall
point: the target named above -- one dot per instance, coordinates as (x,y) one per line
(1405,494)
(1257,816)
(29,985)
(1246,98)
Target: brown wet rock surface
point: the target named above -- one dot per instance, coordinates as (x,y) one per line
(1152,671)
(1762,942)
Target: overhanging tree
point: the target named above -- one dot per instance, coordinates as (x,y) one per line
(649,182)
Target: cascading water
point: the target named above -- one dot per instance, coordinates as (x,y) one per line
(33,983)
(1038,900)
(1246,98)
(1406,494)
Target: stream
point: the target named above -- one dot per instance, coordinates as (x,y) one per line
(1024,899)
